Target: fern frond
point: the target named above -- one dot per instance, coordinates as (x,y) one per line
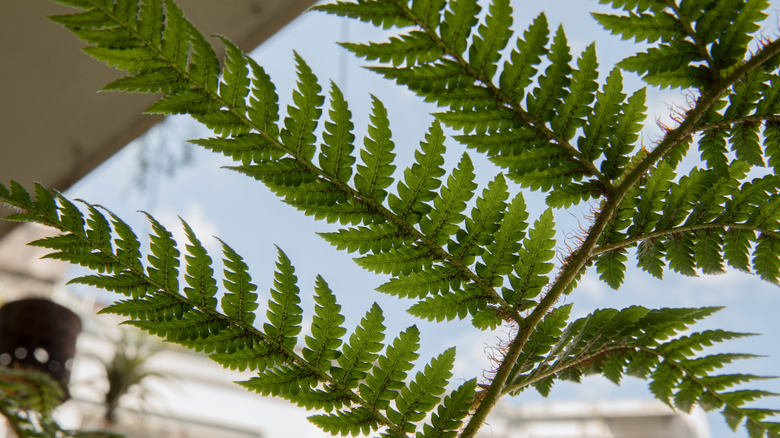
(384,380)
(375,174)
(328,373)
(533,264)
(460,17)
(428,281)
(421,179)
(336,153)
(200,276)
(645,343)
(377,12)
(302,119)
(441,222)
(491,38)
(326,330)
(447,419)
(554,82)
(239,300)
(284,314)
(410,49)
(520,68)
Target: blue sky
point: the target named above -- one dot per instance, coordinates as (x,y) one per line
(218,202)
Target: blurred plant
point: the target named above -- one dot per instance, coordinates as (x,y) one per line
(127,370)
(27,401)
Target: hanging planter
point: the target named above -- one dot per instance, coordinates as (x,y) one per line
(39,334)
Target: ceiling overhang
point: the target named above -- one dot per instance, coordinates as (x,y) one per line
(56,127)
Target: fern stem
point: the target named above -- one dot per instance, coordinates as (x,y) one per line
(636,239)
(582,255)
(737,121)
(562,367)
(501,97)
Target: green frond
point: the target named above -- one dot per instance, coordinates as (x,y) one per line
(151,23)
(239,301)
(358,355)
(154,306)
(386,378)
(346,422)
(175,44)
(421,179)
(422,394)
(191,326)
(199,275)
(428,12)
(163,267)
(444,82)
(520,69)
(615,342)
(159,80)
(599,128)
(554,83)
(302,118)
(447,419)
(650,200)
(280,380)
(449,261)
(222,122)
(263,108)
(611,267)
(336,152)
(244,148)
(669,65)
(484,221)
(501,255)
(284,313)
(132,60)
(450,305)
(284,172)
(491,38)
(350,212)
(246,358)
(419,284)
(766,258)
(534,261)
(625,135)
(651,28)
(411,48)
(234,87)
(733,39)
(378,12)
(318,399)
(375,174)
(204,66)
(442,220)
(460,17)
(326,330)
(582,91)
(126,283)
(376,238)
(649,255)
(490,120)
(397,261)
(187,101)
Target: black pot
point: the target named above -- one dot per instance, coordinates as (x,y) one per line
(40,335)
